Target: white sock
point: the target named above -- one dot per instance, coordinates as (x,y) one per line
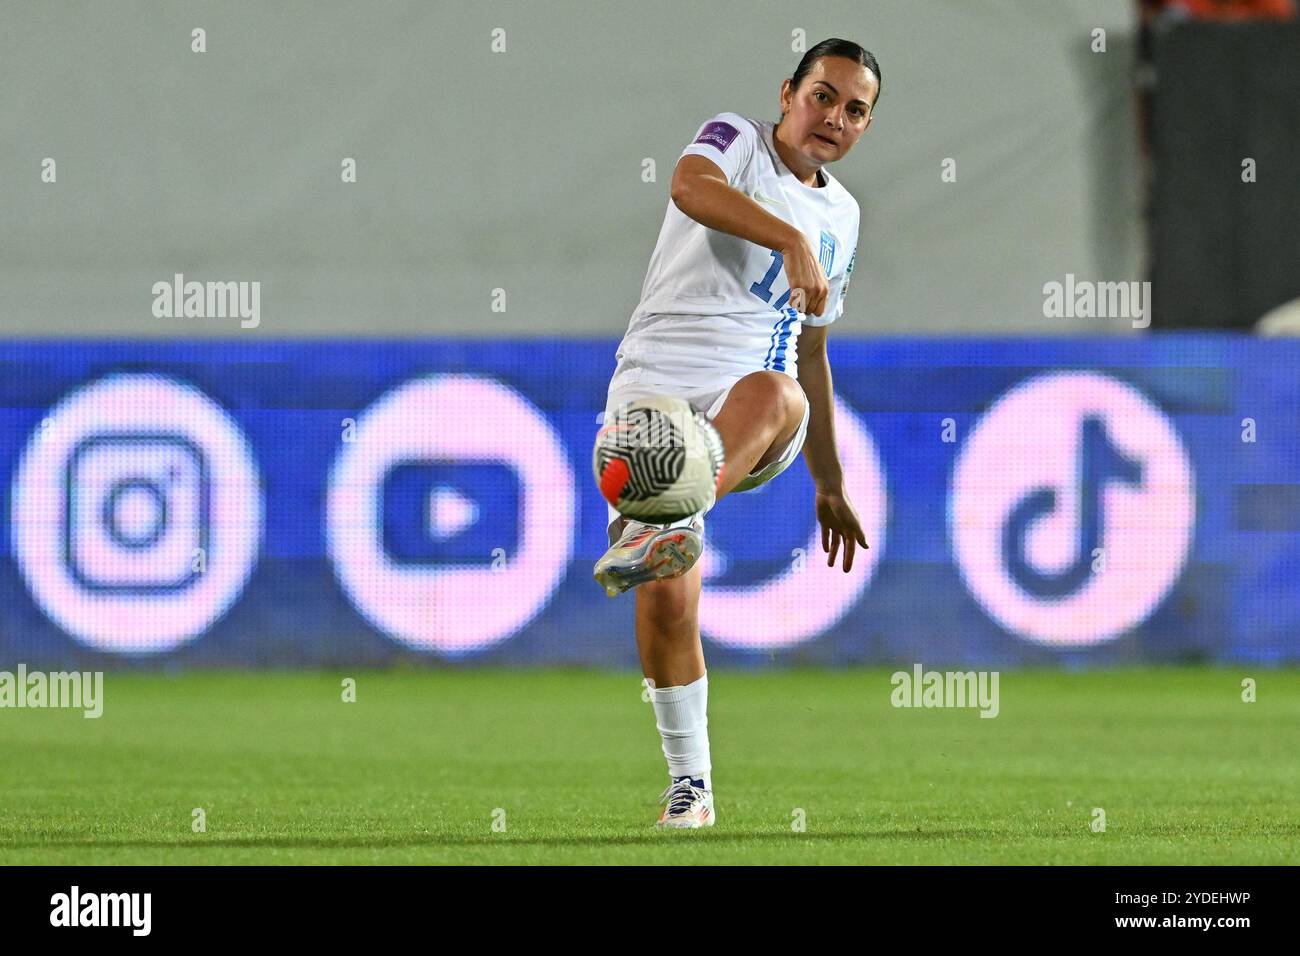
(680,715)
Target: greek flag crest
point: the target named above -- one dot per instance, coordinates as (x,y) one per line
(827,256)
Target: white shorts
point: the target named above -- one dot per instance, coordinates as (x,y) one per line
(632,381)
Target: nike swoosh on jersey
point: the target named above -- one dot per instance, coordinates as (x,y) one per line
(759,197)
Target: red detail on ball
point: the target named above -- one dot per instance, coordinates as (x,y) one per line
(717,485)
(613,479)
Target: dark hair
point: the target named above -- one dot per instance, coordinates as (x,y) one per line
(837,47)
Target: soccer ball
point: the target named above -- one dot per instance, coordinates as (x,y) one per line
(658,460)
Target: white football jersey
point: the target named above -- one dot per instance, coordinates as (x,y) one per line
(713,302)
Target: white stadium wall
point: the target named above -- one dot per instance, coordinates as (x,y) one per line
(523,170)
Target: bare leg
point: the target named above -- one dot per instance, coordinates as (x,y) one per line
(760,416)
(668,630)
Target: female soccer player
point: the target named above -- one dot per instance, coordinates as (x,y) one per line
(755,230)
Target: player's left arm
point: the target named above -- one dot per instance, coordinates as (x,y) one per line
(835,514)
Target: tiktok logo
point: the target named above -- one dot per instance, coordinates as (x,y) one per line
(1099,462)
(1072,509)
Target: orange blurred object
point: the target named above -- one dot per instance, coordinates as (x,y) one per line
(1222,9)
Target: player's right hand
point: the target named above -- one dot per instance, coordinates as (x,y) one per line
(808,286)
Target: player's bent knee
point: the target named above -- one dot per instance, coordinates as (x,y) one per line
(795,401)
(767,390)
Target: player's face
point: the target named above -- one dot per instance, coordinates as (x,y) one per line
(831,108)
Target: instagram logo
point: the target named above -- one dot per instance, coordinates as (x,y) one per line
(137,513)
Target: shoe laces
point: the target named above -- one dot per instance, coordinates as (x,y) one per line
(680,795)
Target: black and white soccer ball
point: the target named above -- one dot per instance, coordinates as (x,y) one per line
(657,460)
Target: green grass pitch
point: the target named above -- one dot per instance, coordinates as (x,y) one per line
(420,766)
